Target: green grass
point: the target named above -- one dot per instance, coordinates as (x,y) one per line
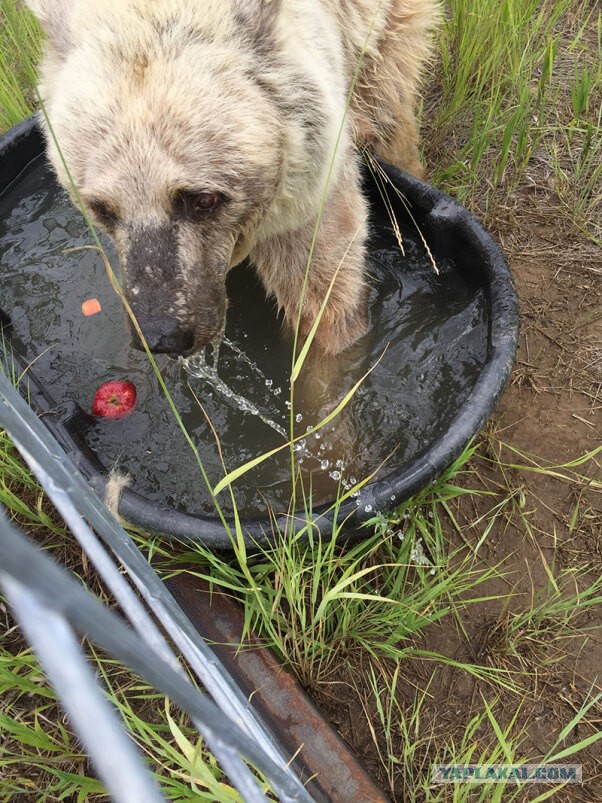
(313,601)
(41,759)
(539,633)
(20,49)
(517,91)
(502,101)
(503,745)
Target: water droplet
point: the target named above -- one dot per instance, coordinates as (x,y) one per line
(336,475)
(298,418)
(324,464)
(368,508)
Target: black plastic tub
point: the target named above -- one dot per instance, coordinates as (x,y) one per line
(426,216)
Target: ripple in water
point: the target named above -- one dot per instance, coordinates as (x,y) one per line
(426,345)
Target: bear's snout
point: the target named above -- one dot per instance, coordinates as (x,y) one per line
(175,290)
(164,336)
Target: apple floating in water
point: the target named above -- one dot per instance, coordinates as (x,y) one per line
(114,399)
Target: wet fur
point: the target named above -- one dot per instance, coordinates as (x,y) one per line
(245,97)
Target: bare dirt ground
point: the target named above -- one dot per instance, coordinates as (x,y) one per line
(551,410)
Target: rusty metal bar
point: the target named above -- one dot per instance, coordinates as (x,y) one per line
(323,762)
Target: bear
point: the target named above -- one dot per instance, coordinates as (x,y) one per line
(200,133)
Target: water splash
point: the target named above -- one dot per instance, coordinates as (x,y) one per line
(205,366)
(199,367)
(242,357)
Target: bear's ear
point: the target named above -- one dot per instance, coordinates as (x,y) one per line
(256,17)
(53,16)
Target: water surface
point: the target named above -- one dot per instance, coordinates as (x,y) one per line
(427,341)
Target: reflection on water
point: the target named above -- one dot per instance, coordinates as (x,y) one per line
(426,345)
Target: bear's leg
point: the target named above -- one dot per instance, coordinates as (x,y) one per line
(383,113)
(338,256)
(400,147)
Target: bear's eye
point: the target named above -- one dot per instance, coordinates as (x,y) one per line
(104,214)
(198,205)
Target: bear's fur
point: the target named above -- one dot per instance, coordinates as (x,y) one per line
(202,132)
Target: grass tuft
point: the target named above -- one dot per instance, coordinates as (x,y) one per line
(501,108)
(20,50)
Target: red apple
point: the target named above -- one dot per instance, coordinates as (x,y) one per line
(114,399)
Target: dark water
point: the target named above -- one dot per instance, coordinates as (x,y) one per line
(429,330)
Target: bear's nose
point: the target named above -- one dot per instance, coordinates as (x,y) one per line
(163,336)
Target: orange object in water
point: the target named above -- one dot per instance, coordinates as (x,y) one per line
(91,306)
